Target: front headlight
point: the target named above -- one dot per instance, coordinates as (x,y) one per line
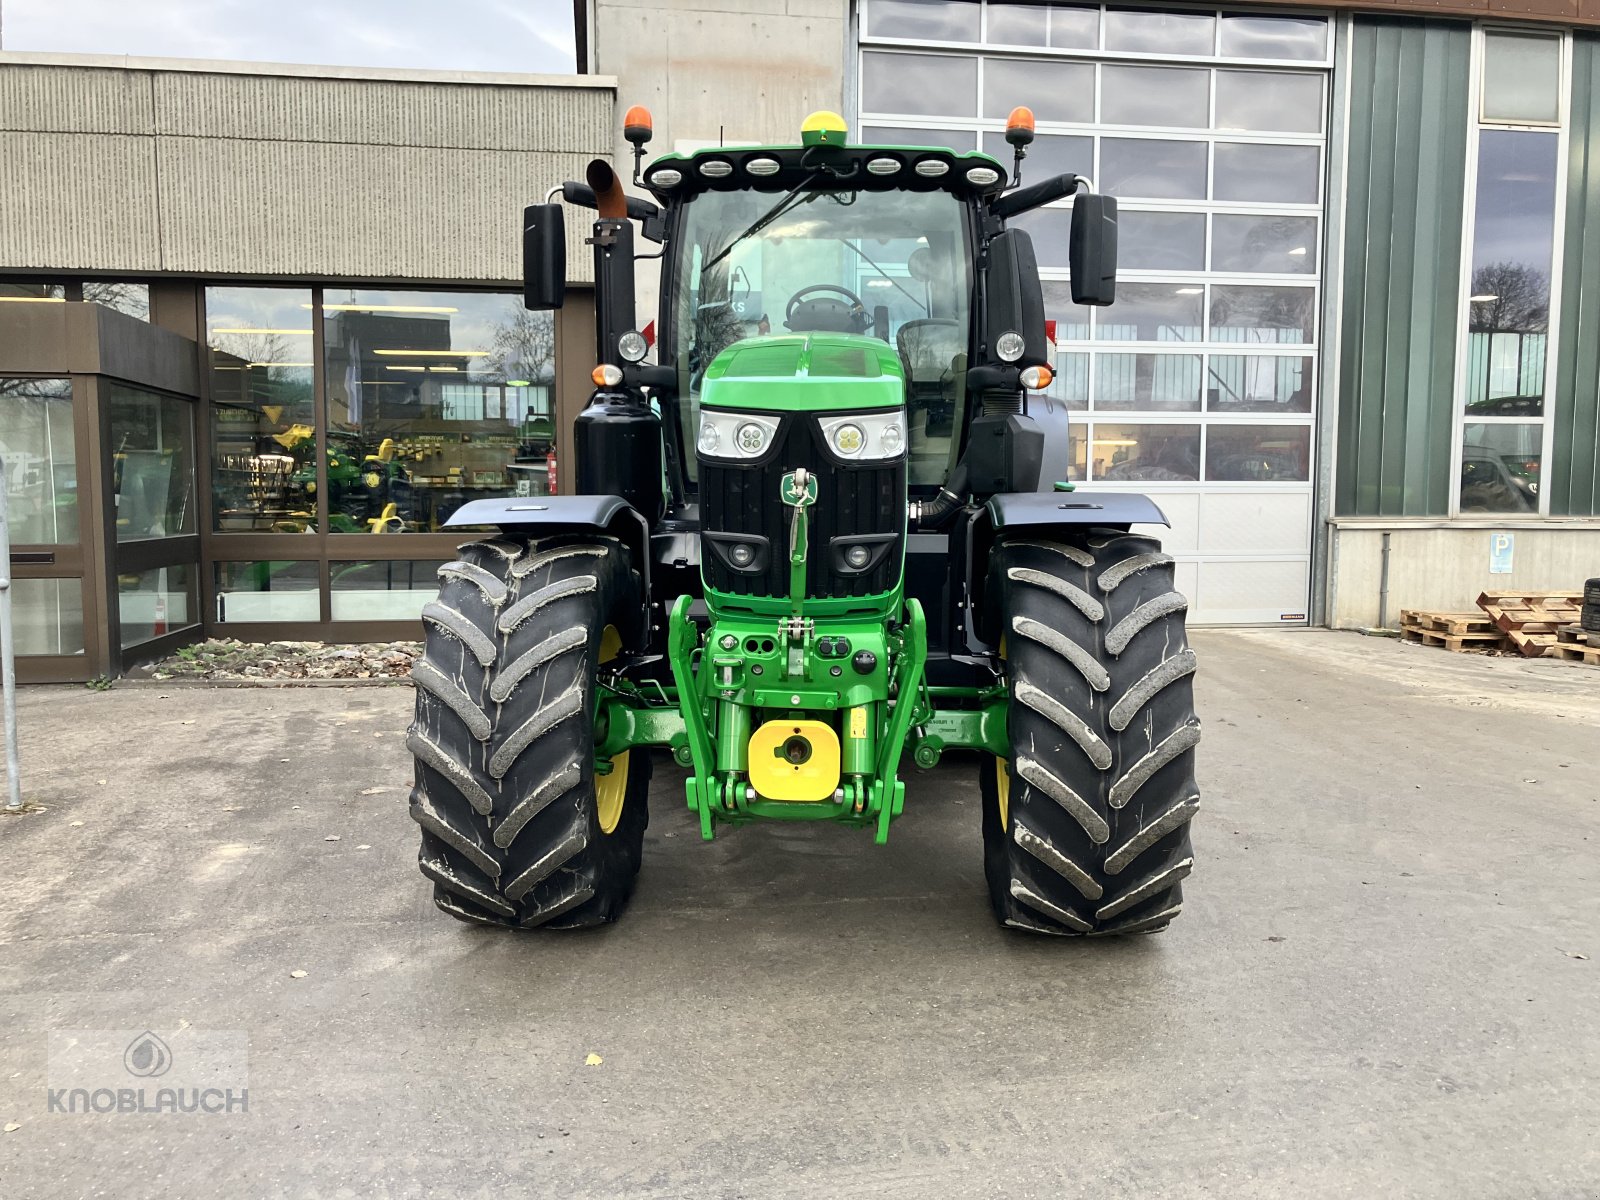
(867,435)
(735,435)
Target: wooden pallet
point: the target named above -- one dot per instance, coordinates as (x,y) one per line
(1576,652)
(1530,619)
(1461,643)
(1458,624)
(1577,635)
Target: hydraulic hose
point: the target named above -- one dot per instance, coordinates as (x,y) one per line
(936,513)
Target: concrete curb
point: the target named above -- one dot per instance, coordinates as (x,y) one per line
(259,683)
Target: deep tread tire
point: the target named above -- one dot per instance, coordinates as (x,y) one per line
(1095,839)
(503,736)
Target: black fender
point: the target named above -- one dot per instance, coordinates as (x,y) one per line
(546,515)
(1036,512)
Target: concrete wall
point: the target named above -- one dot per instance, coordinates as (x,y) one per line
(1443,567)
(742,70)
(144,165)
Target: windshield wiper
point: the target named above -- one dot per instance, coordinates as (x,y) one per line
(767,218)
(886,275)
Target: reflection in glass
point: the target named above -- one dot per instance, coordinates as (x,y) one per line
(934,85)
(1072,379)
(1149,382)
(1258,383)
(1500,467)
(1056,91)
(131,299)
(1260,174)
(1269,100)
(1512,245)
(36,439)
(1258,453)
(434,399)
(959,140)
(1154,453)
(152,464)
(1071,320)
(1157,241)
(382,591)
(263,441)
(1268,245)
(1153,169)
(1153,312)
(1241,313)
(154,603)
(22,292)
(267,591)
(1150,31)
(1050,229)
(1521,77)
(1304,39)
(1163,96)
(47,616)
(926,20)
(1049,155)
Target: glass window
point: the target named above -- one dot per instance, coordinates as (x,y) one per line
(1071,320)
(1521,77)
(1152,453)
(434,399)
(1071,384)
(152,463)
(1265,245)
(131,299)
(928,20)
(1152,169)
(1513,242)
(21,292)
(1258,453)
(1150,31)
(1157,241)
(1055,91)
(935,85)
(1152,312)
(1258,383)
(267,591)
(47,616)
(1020,24)
(1050,154)
(383,591)
(1500,467)
(1148,382)
(1170,96)
(1241,313)
(155,603)
(1259,174)
(1050,229)
(263,442)
(956,139)
(1269,100)
(36,438)
(1304,39)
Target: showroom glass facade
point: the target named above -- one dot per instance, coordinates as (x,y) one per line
(1200,384)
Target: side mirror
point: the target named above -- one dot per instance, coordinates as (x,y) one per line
(1092,249)
(1014,300)
(544,256)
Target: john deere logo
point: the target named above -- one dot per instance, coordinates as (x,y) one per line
(793,492)
(147,1056)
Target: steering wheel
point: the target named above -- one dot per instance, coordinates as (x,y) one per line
(827,314)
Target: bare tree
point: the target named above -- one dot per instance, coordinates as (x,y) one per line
(525,347)
(1516,299)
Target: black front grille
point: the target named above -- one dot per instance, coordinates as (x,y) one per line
(852,499)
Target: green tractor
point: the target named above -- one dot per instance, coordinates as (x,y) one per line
(826,529)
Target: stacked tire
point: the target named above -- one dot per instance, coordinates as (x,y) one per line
(1589,618)
(521,826)
(1086,826)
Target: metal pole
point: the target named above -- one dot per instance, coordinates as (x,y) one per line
(8,662)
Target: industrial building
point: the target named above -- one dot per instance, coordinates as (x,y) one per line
(264,336)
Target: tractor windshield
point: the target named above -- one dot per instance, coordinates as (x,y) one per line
(893,265)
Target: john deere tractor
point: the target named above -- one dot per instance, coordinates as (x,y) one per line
(821,531)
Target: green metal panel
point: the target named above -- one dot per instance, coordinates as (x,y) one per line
(1410,103)
(1574,469)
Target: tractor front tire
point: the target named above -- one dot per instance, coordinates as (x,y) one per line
(519,829)
(1086,827)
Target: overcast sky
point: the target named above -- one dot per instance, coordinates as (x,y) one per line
(453,35)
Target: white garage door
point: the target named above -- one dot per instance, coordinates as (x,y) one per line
(1199,387)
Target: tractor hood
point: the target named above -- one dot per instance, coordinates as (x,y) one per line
(808,372)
